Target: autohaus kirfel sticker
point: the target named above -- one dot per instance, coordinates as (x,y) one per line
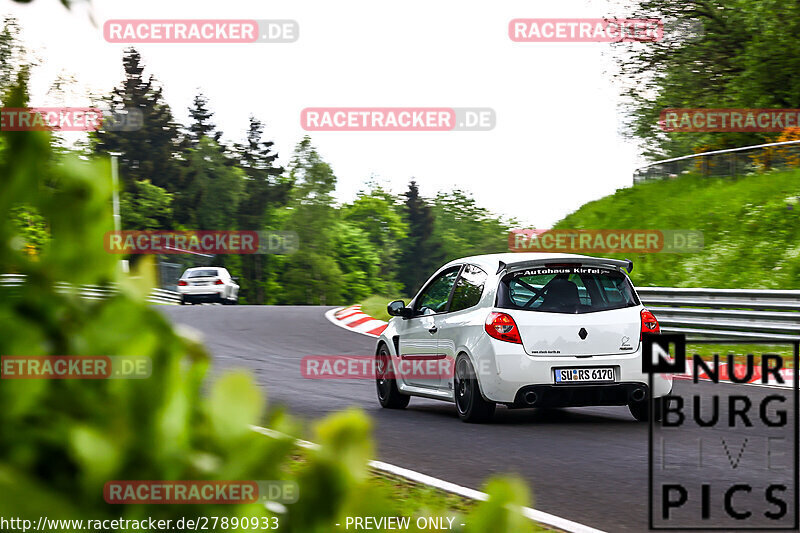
(724,455)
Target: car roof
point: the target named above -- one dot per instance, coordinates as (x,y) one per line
(203,268)
(491,262)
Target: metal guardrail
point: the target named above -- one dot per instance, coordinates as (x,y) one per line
(730,162)
(726,314)
(93,292)
(164,296)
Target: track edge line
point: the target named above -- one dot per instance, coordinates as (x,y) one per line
(542,517)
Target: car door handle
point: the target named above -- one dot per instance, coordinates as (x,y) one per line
(433,330)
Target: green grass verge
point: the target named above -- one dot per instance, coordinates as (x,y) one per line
(707,351)
(416,500)
(751,228)
(375,306)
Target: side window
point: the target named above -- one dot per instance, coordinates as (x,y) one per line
(433,298)
(469,288)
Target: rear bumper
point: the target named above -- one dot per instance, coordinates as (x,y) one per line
(580,395)
(504,369)
(201,290)
(210,297)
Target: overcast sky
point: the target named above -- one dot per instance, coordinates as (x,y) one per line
(556,144)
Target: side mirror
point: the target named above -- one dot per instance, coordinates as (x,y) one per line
(398,308)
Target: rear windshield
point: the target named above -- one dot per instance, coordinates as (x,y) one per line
(202,273)
(566,289)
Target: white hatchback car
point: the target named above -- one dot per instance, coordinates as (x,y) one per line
(524,330)
(208,284)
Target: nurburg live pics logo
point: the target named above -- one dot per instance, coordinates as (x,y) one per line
(725,454)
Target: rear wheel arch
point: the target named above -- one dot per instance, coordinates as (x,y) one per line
(475,367)
(468,397)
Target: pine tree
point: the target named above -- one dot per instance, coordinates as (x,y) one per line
(264,190)
(211,199)
(148,153)
(202,126)
(264,187)
(421,253)
(12,54)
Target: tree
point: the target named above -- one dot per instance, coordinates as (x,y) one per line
(211,201)
(12,54)
(421,253)
(201,117)
(359,262)
(378,214)
(464,228)
(153,152)
(739,54)
(265,189)
(145,207)
(313,275)
(29,227)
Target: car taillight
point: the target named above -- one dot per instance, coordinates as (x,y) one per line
(219,282)
(502,327)
(182,283)
(649,322)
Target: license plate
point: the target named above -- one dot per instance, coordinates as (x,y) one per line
(584,375)
(202,283)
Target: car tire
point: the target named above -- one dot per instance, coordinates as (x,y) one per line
(470,404)
(183,300)
(641,410)
(389,395)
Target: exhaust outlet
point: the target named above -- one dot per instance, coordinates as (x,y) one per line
(638,394)
(530,397)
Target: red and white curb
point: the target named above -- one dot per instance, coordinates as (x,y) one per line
(354,319)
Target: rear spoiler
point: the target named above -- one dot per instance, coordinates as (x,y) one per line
(618,264)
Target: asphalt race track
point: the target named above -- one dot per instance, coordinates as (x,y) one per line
(587,464)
